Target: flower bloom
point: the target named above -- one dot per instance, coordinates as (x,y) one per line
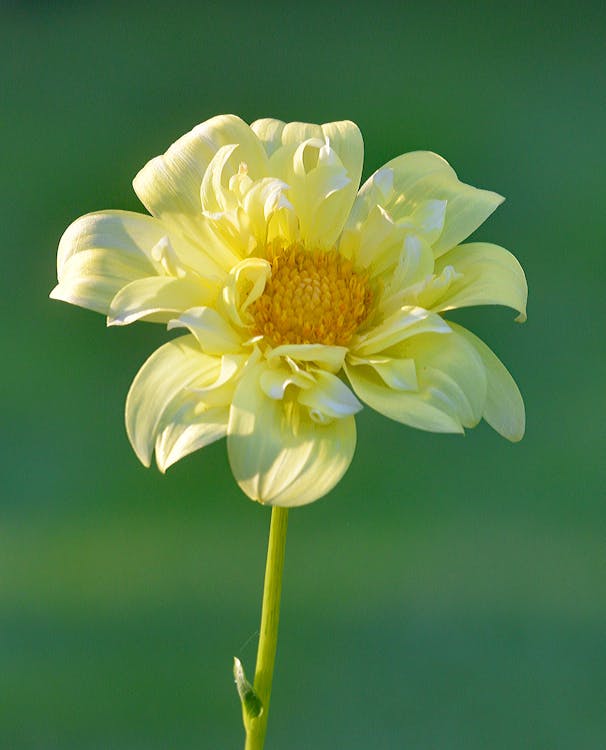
(302,298)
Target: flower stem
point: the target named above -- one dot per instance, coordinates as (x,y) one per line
(256,727)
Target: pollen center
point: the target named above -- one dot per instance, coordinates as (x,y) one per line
(312,297)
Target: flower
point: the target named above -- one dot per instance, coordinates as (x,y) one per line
(302,297)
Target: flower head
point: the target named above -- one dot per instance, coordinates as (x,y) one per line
(302,297)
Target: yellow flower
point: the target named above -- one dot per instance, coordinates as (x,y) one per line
(303,299)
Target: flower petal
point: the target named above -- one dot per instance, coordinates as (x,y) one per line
(452,370)
(328,397)
(190,429)
(278,454)
(344,137)
(157,299)
(451,384)
(269,131)
(490,275)
(161,396)
(213,332)
(169,185)
(406,322)
(99,253)
(92,278)
(244,285)
(399,374)
(421,410)
(320,189)
(414,267)
(329,357)
(275,380)
(408,180)
(130,234)
(504,407)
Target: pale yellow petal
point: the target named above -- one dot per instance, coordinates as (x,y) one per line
(400,374)
(100,253)
(345,138)
(451,369)
(489,275)
(269,132)
(328,397)
(414,266)
(214,334)
(244,286)
(278,454)
(214,193)
(190,429)
(126,233)
(158,299)
(377,238)
(319,189)
(328,357)
(169,185)
(275,380)
(451,390)
(504,407)
(92,278)
(417,409)
(411,179)
(295,133)
(269,213)
(401,325)
(161,393)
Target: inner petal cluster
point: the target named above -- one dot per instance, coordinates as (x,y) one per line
(312,297)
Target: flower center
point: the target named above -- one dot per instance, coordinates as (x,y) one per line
(311,298)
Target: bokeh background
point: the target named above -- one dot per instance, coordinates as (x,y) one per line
(450,593)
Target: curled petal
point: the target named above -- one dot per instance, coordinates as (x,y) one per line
(504,407)
(278,454)
(214,195)
(169,185)
(328,357)
(411,179)
(101,253)
(160,398)
(399,374)
(157,298)
(190,429)
(328,397)
(451,390)
(487,275)
(406,322)
(244,286)
(420,409)
(92,278)
(318,183)
(213,332)
(268,211)
(454,373)
(269,131)
(415,265)
(344,138)
(275,380)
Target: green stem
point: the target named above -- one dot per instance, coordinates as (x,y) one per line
(270,618)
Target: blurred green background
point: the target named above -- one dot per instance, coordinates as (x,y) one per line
(450,593)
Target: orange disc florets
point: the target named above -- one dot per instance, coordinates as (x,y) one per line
(312,297)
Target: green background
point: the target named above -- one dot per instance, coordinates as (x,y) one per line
(450,593)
